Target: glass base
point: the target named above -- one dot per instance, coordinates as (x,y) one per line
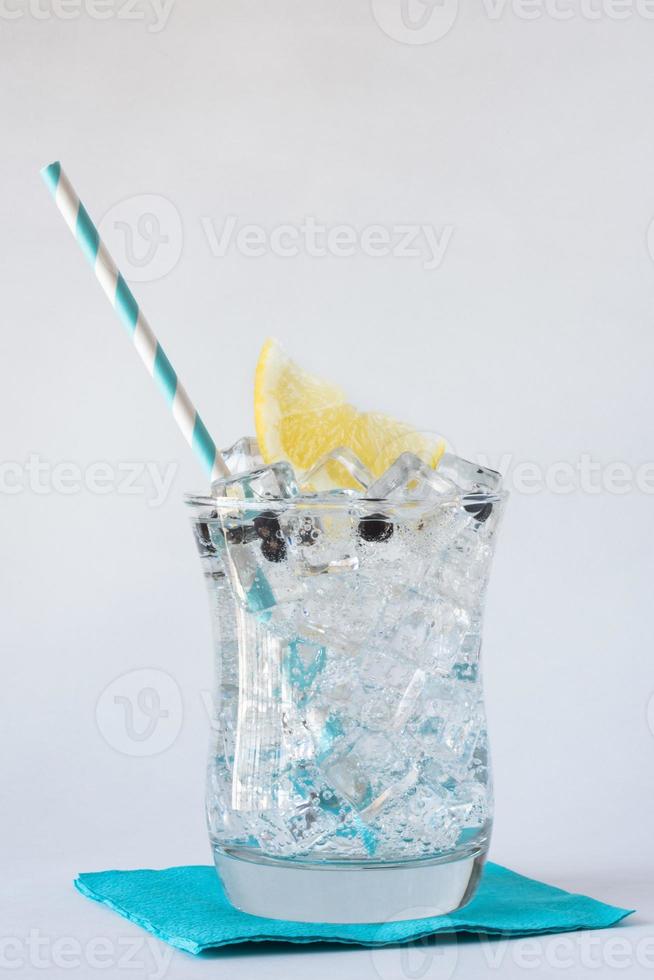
(323,893)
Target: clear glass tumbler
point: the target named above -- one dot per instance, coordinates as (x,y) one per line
(348,776)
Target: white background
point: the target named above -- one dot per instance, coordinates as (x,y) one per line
(532,140)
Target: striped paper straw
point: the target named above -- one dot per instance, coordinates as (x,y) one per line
(121,298)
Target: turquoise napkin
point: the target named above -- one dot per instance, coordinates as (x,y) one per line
(187,908)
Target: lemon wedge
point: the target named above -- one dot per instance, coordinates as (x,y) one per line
(300,418)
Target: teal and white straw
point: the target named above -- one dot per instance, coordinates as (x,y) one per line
(121,298)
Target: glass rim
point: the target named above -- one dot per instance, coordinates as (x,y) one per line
(323,501)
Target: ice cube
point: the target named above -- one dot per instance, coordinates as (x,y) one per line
(322,540)
(338,468)
(369,773)
(398,786)
(311,813)
(460,576)
(243,456)
(462,729)
(274,581)
(418,823)
(266,483)
(475,480)
(449,724)
(470,804)
(347,777)
(345,563)
(409,700)
(427,630)
(304,662)
(377,711)
(255,545)
(390,685)
(255,556)
(469,476)
(328,727)
(391,673)
(341,611)
(408,478)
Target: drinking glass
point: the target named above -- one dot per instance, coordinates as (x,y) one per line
(348,777)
